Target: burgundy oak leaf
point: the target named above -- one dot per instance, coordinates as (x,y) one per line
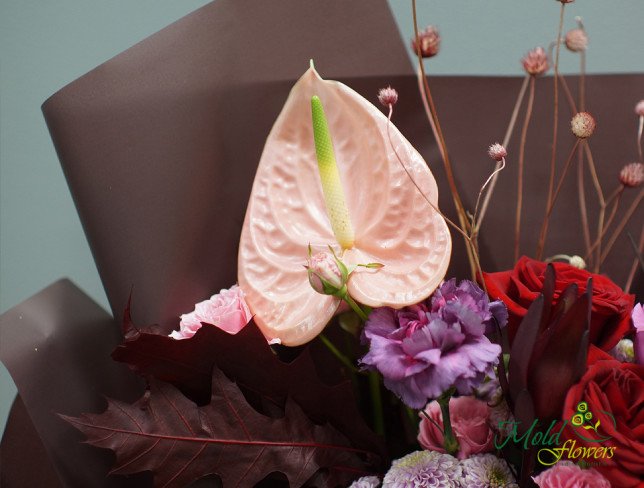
(247,359)
(180,442)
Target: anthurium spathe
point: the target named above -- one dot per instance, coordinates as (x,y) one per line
(390,222)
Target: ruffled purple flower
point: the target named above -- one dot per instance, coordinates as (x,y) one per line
(429,469)
(366,482)
(423,350)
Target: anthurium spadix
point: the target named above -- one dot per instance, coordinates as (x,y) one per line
(359,200)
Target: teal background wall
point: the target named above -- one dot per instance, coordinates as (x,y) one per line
(45,45)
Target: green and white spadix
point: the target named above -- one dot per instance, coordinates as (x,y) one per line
(351,193)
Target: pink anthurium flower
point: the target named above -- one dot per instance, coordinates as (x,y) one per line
(373,214)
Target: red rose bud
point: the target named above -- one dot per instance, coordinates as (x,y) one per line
(583,125)
(428,42)
(632,175)
(325,274)
(535,62)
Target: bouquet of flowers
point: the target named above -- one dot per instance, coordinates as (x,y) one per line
(346,356)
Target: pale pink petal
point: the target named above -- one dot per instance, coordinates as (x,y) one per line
(393,224)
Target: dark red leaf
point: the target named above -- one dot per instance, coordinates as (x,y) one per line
(180,442)
(247,359)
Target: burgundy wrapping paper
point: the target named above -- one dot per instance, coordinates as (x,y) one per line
(160,145)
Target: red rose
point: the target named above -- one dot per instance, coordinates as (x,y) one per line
(614,395)
(517,288)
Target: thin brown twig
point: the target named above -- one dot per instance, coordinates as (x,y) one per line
(640,129)
(506,141)
(555,127)
(581,189)
(613,196)
(618,230)
(524,133)
(636,261)
(468,241)
(496,171)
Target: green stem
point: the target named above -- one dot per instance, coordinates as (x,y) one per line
(355,307)
(376,398)
(450,442)
(336,352)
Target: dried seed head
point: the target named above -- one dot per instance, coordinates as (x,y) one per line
(639,108)
(388,96)
(428,42)
(632,175)
(583,125)
(576,40)
(535,62)
(497,152)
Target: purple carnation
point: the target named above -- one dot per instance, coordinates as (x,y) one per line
(423,350)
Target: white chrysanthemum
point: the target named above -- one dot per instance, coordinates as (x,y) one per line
(424,469)
(487,471)
(366,482)
(624,351)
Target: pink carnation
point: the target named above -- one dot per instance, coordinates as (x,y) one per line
(226,310)
(470,423)
(568,475)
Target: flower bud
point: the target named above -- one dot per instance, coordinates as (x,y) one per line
(388,96)
(325,275)
(583,125)
(576,40)
(577,262)
(632,175)
(428,42)
(497,152)
(639,108)
(535,62)
(624,351)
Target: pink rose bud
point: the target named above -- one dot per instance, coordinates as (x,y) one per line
(535,62)
(632,175)
(227,310)
(428,42)
(387,96)
(470,422)
(497,152)
(576,40)
(325,274)
(583,125)
(639,108)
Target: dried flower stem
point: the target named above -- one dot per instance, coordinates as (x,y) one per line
(555,127)
(602,227)
(499,167)
(544,225)
(524,134)
(640,129)
(638,260)
(471,248)
(438,134)
(506,141)
(620,227)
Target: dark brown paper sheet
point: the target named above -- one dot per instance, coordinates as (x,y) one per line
(160,145)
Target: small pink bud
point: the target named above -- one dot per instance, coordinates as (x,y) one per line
(576,40)
(497,152)
(639,108)
(428,42)
(388,96)
(632,175)
(535,62)
(322,267)
(583,125)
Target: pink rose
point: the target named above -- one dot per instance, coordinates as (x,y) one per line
(568,475)
(226,310)
(470,423)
